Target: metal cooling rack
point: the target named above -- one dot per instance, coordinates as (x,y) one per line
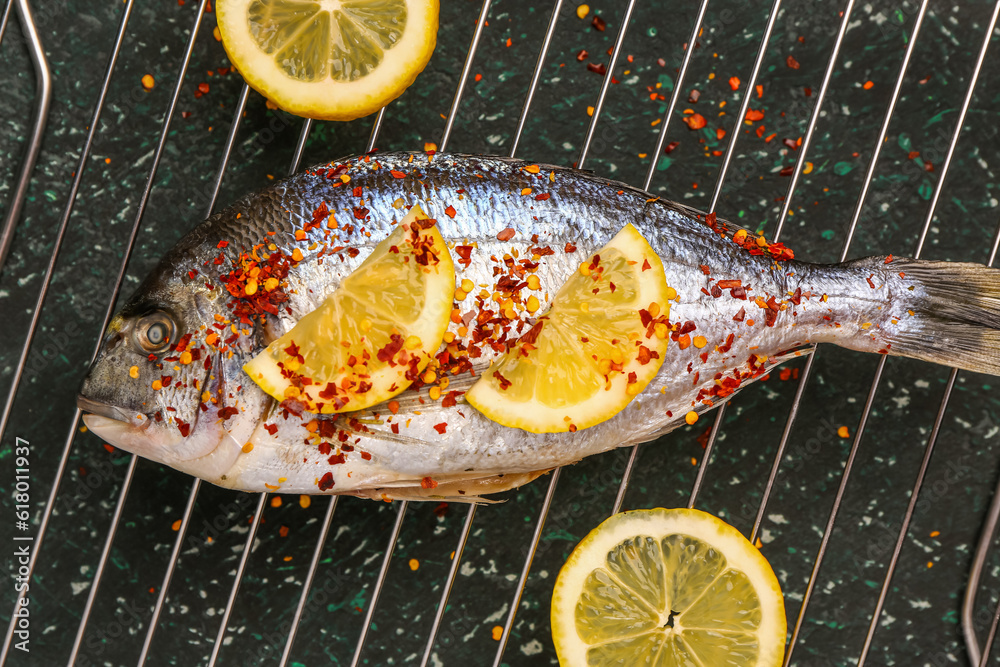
(439,607)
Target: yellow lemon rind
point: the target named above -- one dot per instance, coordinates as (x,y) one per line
(535,417)
(327,99)
(386,381)
(739,553)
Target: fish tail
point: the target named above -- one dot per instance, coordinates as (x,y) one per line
(943,312)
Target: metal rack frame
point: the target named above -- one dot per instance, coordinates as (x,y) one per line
(980,655)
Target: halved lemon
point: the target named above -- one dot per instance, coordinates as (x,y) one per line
(600,343)
(329,59)
(668,588)
(370,339)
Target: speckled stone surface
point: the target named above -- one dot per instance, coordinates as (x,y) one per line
(919,625)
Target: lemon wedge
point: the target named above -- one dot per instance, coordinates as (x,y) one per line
(329,59)
(369,340)
(667,588)
(600,343)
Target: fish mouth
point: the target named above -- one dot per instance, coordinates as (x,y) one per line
(107,410)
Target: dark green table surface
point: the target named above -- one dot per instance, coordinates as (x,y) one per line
(920,623)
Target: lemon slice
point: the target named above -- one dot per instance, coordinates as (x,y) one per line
(667,588)
(329,59)
(370,339)
(599,344)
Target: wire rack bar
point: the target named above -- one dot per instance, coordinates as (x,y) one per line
(452,573)
(196,485)
(127,481)
(46,280)
(929,450)
(168,575)
(105,553)
(379,582)
(668,115)
(467,526)
(554,479)
(985,658)
(43,98)
(466,68)
(262,501)
(976,572)
(307,584)
(237,578)
(328,519)
(779,227)
(445,138)
(3,19)
(654,157)
(807,371)
(63,224)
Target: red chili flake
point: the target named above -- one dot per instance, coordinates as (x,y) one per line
(869,279)
(185,115)
(504,382)
(734,82)
(506,234)
(705,269)
(791,143)
(808,91)
(542,197)
(569,247)
(645,265)
(928,166)
(597,68)
(366,456)
(464,253)
(716,292)
(222,244)
(787,171)
(754,115)
(770,317)
(888,259)
(792,62)
(796,297)
(183,427)
(582,55)
(192,274)
(695,121)
(397,174)
(336,459)
(738,317)
(532,334)
(671,146)
(271,428)
(738,293)
(227,412)
(427,482)
(661,62)
(694,96)
(450,211)
(440,428)
(326,482)
(729,284)
(598,23)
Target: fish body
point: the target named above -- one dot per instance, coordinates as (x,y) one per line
(168,383)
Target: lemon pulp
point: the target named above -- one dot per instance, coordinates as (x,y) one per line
(329,59)
(592,352)
(368,340)
(667,588)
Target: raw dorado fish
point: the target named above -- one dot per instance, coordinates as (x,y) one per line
(168,383)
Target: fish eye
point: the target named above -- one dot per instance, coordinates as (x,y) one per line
(154,333)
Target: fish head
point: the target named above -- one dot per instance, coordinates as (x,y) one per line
(167,383)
